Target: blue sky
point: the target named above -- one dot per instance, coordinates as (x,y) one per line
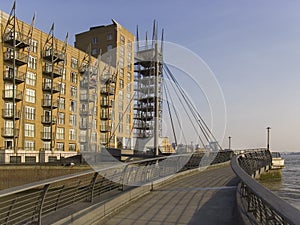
(253,48)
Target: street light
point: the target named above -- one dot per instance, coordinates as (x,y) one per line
(229,142)
(268,138)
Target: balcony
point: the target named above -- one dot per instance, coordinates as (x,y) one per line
(47,87)
(48,103)
(10,95)
(83,126)
(106,104)
(87,85)
(20,58)
(53,55)
(46,136)
(105,116)
(107,91)
(107,78)
(8,75)
(48,120)
(105,128)
(85,112)
(88,97)
(10,132)
(20,41)
(9,114)
(53,71)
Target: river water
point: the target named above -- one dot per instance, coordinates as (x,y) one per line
(288,188)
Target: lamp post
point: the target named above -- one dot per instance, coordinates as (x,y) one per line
(268,138)
(229,142)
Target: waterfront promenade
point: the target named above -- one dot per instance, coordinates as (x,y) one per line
(206,197)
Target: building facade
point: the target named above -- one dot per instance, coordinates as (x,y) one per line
(56,99)
(113,45)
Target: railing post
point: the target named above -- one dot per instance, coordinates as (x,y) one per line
(122,180)
(45,190)
(93,182)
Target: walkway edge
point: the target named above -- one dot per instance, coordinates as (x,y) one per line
(99,211)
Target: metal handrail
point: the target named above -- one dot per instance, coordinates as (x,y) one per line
(30,203)
(262,204)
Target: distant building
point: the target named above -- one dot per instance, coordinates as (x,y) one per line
(114,45)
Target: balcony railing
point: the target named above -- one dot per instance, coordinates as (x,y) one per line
(48,119)
(9,114)
(46,136)
(105,128)
(20,41)
(11,94)
(107,91)
(48,103)
(55,71)
(53,55)
(47,87)
(106,104)
(88,97)
(10,132)
(8,75)
(20,58)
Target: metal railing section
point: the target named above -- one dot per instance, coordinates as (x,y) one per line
(262,206)
(28,204)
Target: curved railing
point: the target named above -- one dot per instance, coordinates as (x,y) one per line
(261,205)
(30,203)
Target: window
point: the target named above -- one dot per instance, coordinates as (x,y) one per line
(74,63)
(109,47)
(60,133)
(95,51)
(72,120)
(121,73)
(29,145)
(121,51)
(61,103)
(32,62)
(34,46)
(121,62)
(62,88)
(121,84)
(109,36)
(72,134)
(64,74)
(72,147)
(128,77)
(29,130)
(94,137)
(121,128)
(61,118)
(47,145)
(29,113)
(30,78)
(73,92)
(83,136)
(94,40)
(30,95)
(128,118)
(73,77)
(60,146)
(122,40)
(73,106)
(120,105)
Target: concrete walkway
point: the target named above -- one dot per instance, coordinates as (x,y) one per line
(206,197)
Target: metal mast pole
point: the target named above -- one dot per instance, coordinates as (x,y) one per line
(14,81)
(156,107)
(268,138)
